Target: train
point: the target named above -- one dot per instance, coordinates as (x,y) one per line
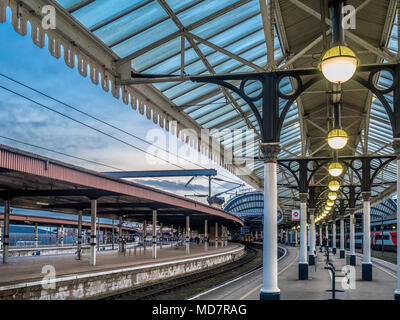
(383,233)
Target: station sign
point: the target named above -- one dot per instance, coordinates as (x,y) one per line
(295,215)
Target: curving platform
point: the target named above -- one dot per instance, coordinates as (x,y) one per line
(22,277)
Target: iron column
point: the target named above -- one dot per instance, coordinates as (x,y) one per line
(366,264)
(270,290)
(6,235)
(342,255)
(93,213)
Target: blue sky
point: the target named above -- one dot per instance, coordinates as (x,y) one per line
(25,121)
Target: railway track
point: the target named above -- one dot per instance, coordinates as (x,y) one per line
(151,291)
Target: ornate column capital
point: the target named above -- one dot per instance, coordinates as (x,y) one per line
(366,195)
(270,151)
(303,197)
(396,146)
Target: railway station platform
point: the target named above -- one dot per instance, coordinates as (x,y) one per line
(22,277)
(315,288)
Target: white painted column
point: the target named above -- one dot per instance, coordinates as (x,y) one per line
(397,291)
(36,236)
(79,234)
(311,258)
(352,239)
(57,236)
(154,241)
(93,215)
(120,235)
(187,234)
(161,235)
(205,235)
(366,264)
(327,234)
(144,235)
(62,235)
(303,261)
(216,235)
(6,235)
(221,238)
(320,234)
(270,290)
(334,236)
(342,255)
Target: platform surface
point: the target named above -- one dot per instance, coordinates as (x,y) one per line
(25,269)
(248,288)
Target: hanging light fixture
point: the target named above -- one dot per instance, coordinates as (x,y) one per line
(335,169)
(330,203)
(339,63)
(334,185)
(328,208)
(332,195)
(337,137)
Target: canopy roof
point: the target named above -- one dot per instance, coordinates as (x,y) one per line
(200,37)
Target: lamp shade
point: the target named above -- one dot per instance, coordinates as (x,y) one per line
(335,169)
(328,208)
(334,185)
(330,203)
(337,139)
(338,64)
(332,195)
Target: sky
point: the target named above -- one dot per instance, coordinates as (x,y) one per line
(26,121)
